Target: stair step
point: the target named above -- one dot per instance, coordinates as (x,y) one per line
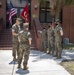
(6,39)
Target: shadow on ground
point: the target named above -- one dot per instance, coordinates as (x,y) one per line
(22,72)
(13,62)
(41,56)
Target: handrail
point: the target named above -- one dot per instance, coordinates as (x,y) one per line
(35,28)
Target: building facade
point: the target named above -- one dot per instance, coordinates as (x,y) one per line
(34,9)
(67,17)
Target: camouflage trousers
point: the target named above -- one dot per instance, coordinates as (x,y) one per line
(51,46)
(15,49)
(58,48)
(23,54)
(44,45)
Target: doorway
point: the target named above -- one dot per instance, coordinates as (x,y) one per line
(19,6)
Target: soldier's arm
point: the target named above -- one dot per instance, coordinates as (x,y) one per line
(30,39)
(61,32)
(13,32)
(19,36)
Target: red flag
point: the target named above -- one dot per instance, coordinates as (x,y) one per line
(52,23)
(25,13)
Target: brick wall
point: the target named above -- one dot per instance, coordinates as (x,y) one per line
(35,18)
(3,12)
(68,22)
(35,13)
(39,35)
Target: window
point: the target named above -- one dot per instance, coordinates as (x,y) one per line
(44,12)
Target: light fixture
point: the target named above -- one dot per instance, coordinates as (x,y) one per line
(35,7)
(0,4)
(28,3)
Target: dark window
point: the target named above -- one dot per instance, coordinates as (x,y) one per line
(44,12)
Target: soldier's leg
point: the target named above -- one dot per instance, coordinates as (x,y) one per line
(20,57)
(52,47)
(49,49)
(17,49)
(14,51)
(45,47)
(56,48)
(59,49)
(26,57)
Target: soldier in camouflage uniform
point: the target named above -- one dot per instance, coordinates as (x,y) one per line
(44,40)
(15,30)
(50,35)
(24,49)
(58,39)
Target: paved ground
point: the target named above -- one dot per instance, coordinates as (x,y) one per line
(39,64)
(66,55)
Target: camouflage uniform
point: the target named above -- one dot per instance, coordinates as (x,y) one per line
(58,41)
(50,35)
(44,40)
(24,49)
(15,29)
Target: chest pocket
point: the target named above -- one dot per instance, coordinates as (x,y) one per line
(24,37)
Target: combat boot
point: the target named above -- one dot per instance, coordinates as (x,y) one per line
(59,57)
(25,68)
(14,59)
(49,52)
(19,66)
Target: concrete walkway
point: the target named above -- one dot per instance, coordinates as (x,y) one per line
(39,64)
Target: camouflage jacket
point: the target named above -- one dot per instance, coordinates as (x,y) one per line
(50,33)
(44,35)
(57,32)
(15,29)
(24,37)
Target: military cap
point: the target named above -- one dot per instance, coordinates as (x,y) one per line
(57,20)
(19,19)
(25,25)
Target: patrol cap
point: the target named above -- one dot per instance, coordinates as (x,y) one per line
(19,19)
(57,20)
(25,25)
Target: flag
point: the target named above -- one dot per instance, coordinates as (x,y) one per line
(53,23)
(25,13)
(12,12)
